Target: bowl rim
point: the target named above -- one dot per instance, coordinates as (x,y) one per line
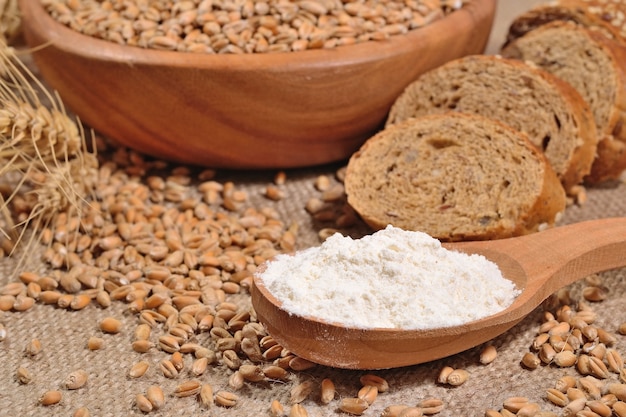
(77,43)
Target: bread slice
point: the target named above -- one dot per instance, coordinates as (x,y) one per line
(602,17)
(455,176)
(612,12)
(594,65)
(551,112)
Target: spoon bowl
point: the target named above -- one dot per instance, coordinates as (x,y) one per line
(538,264)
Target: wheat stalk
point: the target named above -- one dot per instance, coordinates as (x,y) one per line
(42,150)
(10,20)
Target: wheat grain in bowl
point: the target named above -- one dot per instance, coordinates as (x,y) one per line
(246,110)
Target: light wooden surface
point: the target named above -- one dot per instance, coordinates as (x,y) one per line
(249,110)
(539,264)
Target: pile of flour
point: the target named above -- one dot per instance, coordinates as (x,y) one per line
(390,279)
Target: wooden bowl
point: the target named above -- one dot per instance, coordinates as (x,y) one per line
(280,110)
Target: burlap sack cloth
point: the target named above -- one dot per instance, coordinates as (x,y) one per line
(110,392)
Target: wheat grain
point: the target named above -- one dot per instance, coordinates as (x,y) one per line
(274,27)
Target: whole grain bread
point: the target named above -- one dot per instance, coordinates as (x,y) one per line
(551,112)
(455,176)
(606,17)
(594,65)
(613,12)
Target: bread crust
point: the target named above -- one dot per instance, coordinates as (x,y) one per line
(569,11)
(612,13)
(579,141)
(388,182)
(610,160)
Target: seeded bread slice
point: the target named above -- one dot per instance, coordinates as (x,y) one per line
(594,65)
(551,112)
(596,15)
(455,176)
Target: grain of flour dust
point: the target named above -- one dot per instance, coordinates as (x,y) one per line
(390,279)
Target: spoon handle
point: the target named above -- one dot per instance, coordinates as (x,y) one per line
(559,256)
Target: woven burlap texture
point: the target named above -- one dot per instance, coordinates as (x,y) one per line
(110,392)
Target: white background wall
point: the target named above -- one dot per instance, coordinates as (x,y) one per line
(506,11)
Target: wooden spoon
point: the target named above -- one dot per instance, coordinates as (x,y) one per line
(538,263)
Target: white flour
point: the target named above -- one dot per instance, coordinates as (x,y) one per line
(390,279)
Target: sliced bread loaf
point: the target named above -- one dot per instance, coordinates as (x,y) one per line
(551,112)
(455,176)
(585,13)
(613,12)
(594,65)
